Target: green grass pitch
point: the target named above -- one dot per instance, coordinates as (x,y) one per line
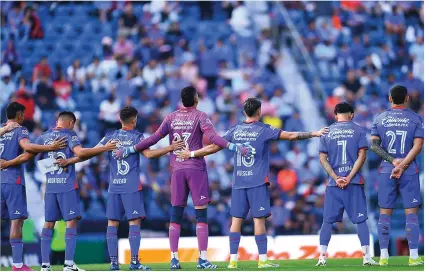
(396,264)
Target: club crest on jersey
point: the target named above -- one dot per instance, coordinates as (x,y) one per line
(391,121)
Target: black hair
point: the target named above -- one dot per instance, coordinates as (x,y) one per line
(251,106)
(188,96)
(398,93)
(127,113)
(67,115)
(343,107)
(13,109)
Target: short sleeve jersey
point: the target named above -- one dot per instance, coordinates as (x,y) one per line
(397,128)
(342,144)
(61,180)
(252,172)
(124,174)
(10,149)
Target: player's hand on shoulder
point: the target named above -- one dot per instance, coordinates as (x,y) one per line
(176,145)
(183,154)
(3,164)
(245,149)
(322,132)
(61,162)
(111,144)
(11,126)
(59,143)
(121,152)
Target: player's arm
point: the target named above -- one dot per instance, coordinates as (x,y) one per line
(295,136)
(327,166)
(357,164)
(205,151)
(23,158)
(413,153)
(156,153)
(61,162)
(9,127)
(87,153)
(27,146)
(380,151)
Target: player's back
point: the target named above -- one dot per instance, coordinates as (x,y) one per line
(397,128)
(252,171)
(61,180)
(189,125)
(10,149)
(124,174)
(342,144)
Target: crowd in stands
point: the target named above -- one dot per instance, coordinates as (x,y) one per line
(95,58)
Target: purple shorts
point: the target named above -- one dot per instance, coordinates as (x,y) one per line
(64,206)
(189,180)
(256,199)
(13,201)
(130,204)
(352,199)
(407,186)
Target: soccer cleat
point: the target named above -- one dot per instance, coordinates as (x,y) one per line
(46,268)
(23,268)
(383,262)
(72,267)
(321,262)
(138,266)
(369,262)
(114,267)
(267,264)
(175,264)
(415,262)
(233,265)
(204,264)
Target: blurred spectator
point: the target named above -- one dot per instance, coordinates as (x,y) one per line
(117,69)
(416,53)
(80,128)
(189,70)
(7,86)
(325,52)
(394,21)
(206,10)
(45,95)
(287,179)
(41,69)
(369,72)
(225,102)
(208,65)
(123,47)
(24,97)
(76,73)
(205,104)
(107,48)
(63,91)
(353,89)
(333,100)
(128,21)
(152,73)
(109,114)
(310,36)
(97,76)
(32,24)
(11,57)
(240,20)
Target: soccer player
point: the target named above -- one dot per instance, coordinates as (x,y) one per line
(190,125)
(125,189)
(250,176)
(13,141)
(342,155)
(62,199)
(397,137)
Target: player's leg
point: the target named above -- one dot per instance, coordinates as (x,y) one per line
(52,214)
(238,210)
(179,194)
(197,182)
(387,196)
(354,200)
(15,200)
(333,211)
(410,192)
(69,204)
(114,211)
(135,211)
(259,204)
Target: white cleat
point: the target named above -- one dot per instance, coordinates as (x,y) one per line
(321,262)
(72,267)
(369,262)
(46,268)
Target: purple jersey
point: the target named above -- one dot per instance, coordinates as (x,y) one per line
(60,181)
(10,149)
(252,172)
(397,128)
(342,145)
(124,174)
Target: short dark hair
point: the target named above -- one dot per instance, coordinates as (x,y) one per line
(343,107)
(188,96)
(398,93)
(127,113)
(251,106)
(67,115)
(13,109)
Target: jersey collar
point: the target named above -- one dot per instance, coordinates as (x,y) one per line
(398,107)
